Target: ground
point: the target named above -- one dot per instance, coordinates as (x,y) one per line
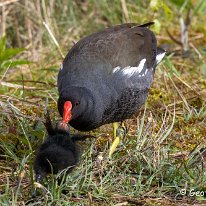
(162,159)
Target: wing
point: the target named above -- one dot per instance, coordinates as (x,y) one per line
(122,45)
(123,51)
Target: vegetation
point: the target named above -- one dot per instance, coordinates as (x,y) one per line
(162,161)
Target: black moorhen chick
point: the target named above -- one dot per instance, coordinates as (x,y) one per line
(107,75)
(59,151)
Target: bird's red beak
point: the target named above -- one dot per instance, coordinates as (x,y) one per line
(67,112)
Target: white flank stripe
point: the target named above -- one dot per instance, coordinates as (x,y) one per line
(116,69)
(159,57)
(129,71)
(141,65)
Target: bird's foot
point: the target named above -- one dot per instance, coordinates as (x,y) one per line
(119,133)
(114,146)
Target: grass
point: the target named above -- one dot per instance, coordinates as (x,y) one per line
(163,154)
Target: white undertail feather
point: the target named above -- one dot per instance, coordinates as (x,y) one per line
(159,57)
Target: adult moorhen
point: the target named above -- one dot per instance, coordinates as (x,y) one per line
(107,75)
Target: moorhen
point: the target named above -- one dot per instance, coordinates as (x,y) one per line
(106,76)
(59,151)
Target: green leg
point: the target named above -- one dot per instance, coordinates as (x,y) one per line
(119,133)
(115,127)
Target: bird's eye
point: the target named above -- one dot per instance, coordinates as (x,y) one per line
(77,103)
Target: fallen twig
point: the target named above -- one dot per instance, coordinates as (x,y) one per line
(54,39)
(17,86)
(7,2)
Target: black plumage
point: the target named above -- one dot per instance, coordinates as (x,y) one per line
(59,151)
(107,75)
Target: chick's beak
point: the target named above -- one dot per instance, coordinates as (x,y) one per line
(67,115)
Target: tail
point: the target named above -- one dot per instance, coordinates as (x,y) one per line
(146,24)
